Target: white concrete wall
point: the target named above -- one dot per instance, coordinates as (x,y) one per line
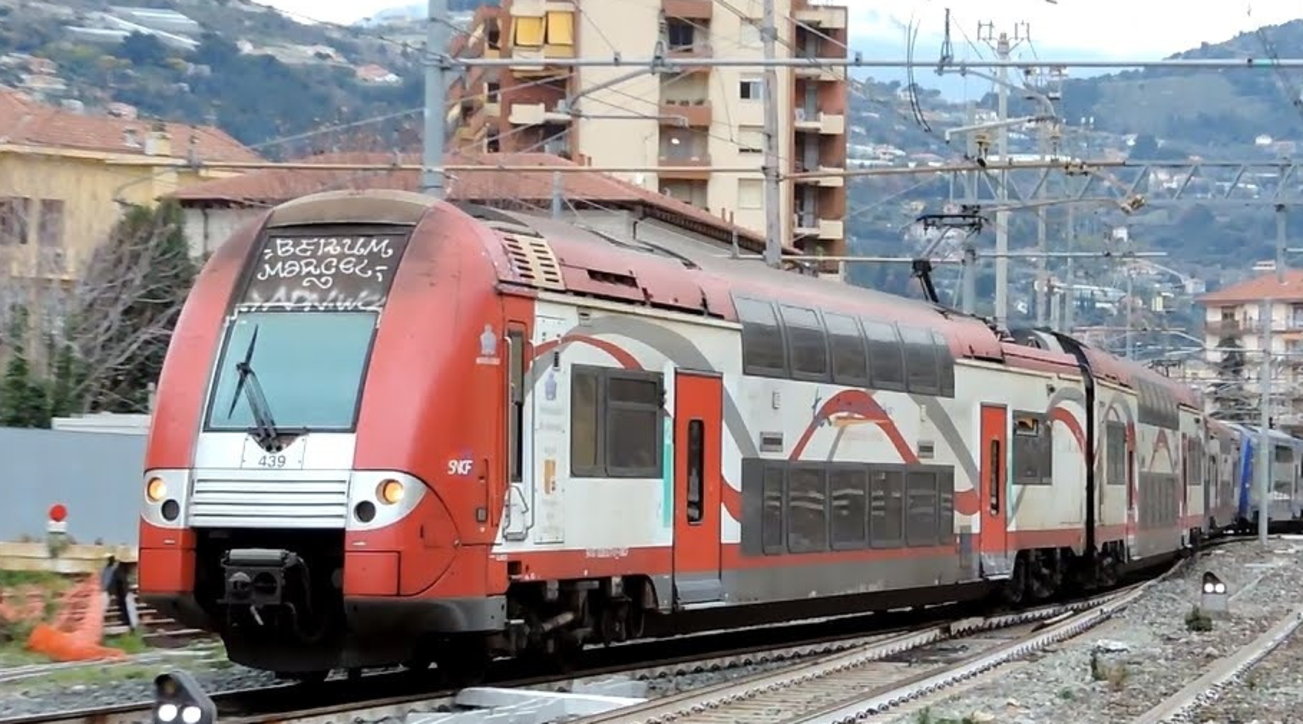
(207,228)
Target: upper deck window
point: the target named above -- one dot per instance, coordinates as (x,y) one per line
(308,365)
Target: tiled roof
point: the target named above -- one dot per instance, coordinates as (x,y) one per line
(26,122)
(273,186)
(1259,288)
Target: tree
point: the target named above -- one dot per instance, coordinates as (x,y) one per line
(23,401)
(143,50)
(1230,400)
(122,314)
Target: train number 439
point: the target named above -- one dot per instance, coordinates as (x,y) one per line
(272,461)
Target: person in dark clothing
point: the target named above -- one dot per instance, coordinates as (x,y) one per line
(113,579)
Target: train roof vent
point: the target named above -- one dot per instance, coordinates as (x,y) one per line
(533,261)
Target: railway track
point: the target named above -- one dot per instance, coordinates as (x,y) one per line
(894,642)
(884,672)
(1222,673)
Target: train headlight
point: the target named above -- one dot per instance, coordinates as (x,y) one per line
(177,696)
(389,492)
(155,489)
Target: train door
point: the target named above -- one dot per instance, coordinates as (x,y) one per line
(698,424)
(994,506)
(515,527)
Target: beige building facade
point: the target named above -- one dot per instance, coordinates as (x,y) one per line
(678,124)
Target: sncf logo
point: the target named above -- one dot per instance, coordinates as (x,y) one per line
(459,467)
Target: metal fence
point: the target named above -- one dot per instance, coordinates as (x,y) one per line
(95,475)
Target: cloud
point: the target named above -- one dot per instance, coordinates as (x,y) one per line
(1118,29)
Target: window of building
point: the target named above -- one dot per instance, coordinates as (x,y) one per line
(491,89)
(751,139)
(560,27)
(528,31)
(750,193)
(680,34)
(14,220)
(751,89)
(615,423)
(749,34)
(50,230)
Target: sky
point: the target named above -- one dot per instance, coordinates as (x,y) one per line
(1094,28)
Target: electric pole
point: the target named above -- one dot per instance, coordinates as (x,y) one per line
(773,189)
(1070,304)
(1003,47)
(436,63)
(1280,243)
(1042,275)
(1264,452)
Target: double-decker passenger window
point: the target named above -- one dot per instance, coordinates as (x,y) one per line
(615,423)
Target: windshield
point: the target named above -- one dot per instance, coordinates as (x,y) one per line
(308,364)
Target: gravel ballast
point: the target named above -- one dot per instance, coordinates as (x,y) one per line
(65,688)
(1146,653)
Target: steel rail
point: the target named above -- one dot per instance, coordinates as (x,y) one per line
(790,689)
(1223,672)
(847,644)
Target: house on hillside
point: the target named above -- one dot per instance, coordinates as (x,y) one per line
(64,176)
(215,209)
(1233,319)
(377,75)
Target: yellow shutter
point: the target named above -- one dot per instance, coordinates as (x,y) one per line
(560,27)
(528,31)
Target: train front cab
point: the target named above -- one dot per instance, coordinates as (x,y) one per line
(296,496)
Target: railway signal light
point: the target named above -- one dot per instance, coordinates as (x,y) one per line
(1214,598)
(178,699)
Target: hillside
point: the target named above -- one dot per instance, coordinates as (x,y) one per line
(254,71)
(1202,111)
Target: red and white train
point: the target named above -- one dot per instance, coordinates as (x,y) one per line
(391,429)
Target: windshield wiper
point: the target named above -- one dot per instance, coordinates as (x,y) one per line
(264,430)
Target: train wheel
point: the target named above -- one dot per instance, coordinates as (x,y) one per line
(1014,588)
(463,661)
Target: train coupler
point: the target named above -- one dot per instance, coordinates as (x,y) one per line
(257,576)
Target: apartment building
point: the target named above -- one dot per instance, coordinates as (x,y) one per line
(682,123)
(1233,326)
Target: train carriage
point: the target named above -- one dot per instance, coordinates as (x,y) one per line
(394,430)
(1220,496)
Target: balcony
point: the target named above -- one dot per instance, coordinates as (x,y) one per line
(1224,326)
(535,114)
(697,49)
(820,73)
(805,223)
(831,229)
(684,167)
(692,114)
(810,120)
(828,18)
(688,9)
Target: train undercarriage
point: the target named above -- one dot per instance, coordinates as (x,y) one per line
(276,598)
